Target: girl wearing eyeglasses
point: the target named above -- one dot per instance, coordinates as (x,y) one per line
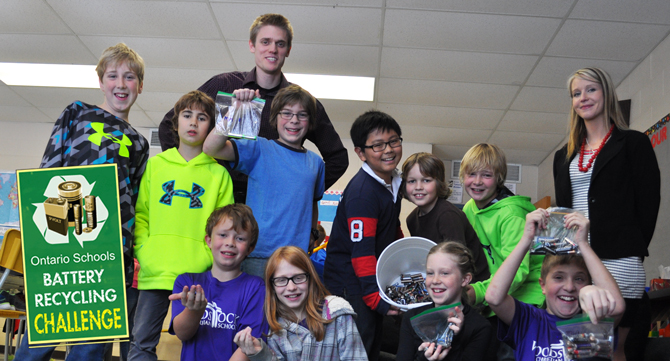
(306,322)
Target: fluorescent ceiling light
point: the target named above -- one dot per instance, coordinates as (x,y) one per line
(84,76)
(336,86)
(51,75)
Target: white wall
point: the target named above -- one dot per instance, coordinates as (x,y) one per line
(648,87)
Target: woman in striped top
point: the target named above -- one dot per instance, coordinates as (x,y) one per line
(611,174)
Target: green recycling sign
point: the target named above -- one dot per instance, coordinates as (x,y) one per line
(72,254)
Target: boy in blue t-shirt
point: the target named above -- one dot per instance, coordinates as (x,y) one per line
(209,308)
(285,180)
(569,285)
(366,222)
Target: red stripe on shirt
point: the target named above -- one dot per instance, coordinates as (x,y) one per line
(372,300)
(368,225)
(365,266)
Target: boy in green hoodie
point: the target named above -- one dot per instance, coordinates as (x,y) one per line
(181,187)
(498,216)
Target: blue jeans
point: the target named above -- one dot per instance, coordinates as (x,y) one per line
(152,307)
(92,352)
(132,295)
(254,266)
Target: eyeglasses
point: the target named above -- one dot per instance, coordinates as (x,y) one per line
(283,281)
(286,115)
(379,147)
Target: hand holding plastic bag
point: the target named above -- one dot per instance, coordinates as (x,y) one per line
(583,339)
(437,327)
(238,119)
(555,238)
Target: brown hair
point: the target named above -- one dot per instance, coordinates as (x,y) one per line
(316,292)
(195,100)
(611,108)
(291,95)
(430,166)
(485,156)
(242,217)
(550,261)
(462,256)
(118,54)
(277,20)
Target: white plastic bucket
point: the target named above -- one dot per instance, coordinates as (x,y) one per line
(406,255)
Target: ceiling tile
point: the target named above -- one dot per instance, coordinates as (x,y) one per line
(534,122)
(345,111)
(170,53)
(8,96)
(50,49)
(456,66)
(526,156)
(311,24)
(446,117)
(555,100)
(452,136)
(469,32)
(554,72)
(606,40)
(157,101)
(156,117)
(149,18)
(333,3)
(555,8)
(424,92)
(177,80)
(648,11)
(529,141)
(58,97)
(317,59)
(331,59)
(18,16)
(22,115)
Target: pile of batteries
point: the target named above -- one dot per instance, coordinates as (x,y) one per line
(411,289)
(585,345)
(555,238)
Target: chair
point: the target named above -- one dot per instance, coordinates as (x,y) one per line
(11,259)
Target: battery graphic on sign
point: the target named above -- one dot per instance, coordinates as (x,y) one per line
(67,210)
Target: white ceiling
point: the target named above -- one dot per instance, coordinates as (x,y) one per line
(452,72)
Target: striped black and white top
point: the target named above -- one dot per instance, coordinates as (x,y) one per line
(628,272)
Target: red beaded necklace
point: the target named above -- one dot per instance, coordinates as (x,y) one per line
(595,153)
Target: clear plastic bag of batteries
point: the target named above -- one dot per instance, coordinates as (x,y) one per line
(433,325)
(583,339)
(555,239)
(238,119)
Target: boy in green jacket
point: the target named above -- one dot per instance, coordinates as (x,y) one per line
(181,187)
(498,216)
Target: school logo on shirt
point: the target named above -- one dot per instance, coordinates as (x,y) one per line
(123,142)
(196,192)
(216,318)
(552,353)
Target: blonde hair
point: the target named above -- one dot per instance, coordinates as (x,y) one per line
(611,108)
(277,20)
(485,156)
(316,292)
(119,54)
(463,258)
(429,166)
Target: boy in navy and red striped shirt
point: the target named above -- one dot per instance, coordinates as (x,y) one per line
(366,222)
